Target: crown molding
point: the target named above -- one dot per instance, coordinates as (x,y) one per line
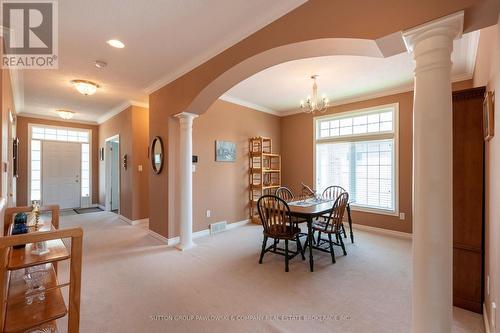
(120,108)
(231,40)
(250,105)
(55,118)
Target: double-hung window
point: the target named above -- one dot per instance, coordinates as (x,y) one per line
(358,151)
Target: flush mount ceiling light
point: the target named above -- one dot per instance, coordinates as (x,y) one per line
(116,43)
(85,87)
(313,103)
(65,114)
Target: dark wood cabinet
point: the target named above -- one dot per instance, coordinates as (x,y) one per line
(468,199)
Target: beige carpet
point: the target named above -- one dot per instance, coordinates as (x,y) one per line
(130,277)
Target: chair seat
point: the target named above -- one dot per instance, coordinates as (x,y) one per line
(282,232)
(320,226)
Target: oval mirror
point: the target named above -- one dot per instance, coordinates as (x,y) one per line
(157,155)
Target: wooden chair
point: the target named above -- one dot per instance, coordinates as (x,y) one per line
(284,193)
(332,193)
(275,216)
(332,226)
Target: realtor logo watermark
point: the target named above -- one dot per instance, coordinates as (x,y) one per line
(30,32)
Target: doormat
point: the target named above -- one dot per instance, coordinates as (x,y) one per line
(87,210)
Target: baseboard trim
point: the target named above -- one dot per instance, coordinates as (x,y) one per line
(198,234)
(157,236)
(133,222)
(382,231)
(486,320)
(102,207)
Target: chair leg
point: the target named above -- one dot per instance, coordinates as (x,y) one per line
(342,245)
(343,230)
(264,244)
(331,248)
(337,237)
(276,241)
(286,255)
(299,248)
(319,238)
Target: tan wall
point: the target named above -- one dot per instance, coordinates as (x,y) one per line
(221,187)
(375,20)
(140,146)
(8,183)
(297,154)
(487,72)
(132,126)
(22,134)
(297,150)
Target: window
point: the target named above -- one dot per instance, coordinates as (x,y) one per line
(357,150)
(40,133)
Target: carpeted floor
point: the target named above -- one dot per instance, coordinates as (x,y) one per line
(133,283)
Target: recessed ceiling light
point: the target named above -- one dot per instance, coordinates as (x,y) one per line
(100,64)
(85,87)
(65,114)
(116,43)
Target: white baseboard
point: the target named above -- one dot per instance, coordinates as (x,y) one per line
(382,231)
(157,236)
(134,222)
(486,320)
(102,207)
(198,234)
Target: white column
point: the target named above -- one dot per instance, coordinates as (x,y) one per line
(431,45)
(186,180)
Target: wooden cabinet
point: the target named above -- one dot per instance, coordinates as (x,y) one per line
(468,199)
(16,315)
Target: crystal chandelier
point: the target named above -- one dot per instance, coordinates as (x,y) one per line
(313,103)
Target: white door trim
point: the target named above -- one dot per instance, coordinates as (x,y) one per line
(107,173)
(28,185)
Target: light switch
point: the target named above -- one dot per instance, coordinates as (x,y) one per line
(209,213)
(139,167)
(193,168)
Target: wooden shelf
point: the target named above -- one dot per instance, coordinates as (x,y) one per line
(21,258)
(21,316)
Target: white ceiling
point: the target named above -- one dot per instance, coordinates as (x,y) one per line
(163,38)
(343,79)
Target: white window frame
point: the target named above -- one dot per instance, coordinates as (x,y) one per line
(364,137)
(30,132)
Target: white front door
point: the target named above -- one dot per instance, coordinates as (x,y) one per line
(61,168)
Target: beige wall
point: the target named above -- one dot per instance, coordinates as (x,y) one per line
(487,72)
(348,21)
(297,155)
(222,187)
(22,134)
(132,126)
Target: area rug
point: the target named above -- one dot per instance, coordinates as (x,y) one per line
(87,210)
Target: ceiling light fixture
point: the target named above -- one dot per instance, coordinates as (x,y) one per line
(313,103)
(65,114)
(85,87)
(100,64)
(116,43)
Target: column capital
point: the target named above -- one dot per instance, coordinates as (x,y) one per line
(450,26)
(186,115)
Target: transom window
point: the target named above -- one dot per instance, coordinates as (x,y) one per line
(357,150)
(41,133)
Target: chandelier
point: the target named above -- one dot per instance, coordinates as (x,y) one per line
(313,103)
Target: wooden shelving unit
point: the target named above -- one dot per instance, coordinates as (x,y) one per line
(264,172)
(15,314)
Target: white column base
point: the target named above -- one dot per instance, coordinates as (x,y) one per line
(185,247)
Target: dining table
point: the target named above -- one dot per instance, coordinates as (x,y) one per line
(312,208)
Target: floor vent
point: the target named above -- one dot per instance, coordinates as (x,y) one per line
(215,228)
